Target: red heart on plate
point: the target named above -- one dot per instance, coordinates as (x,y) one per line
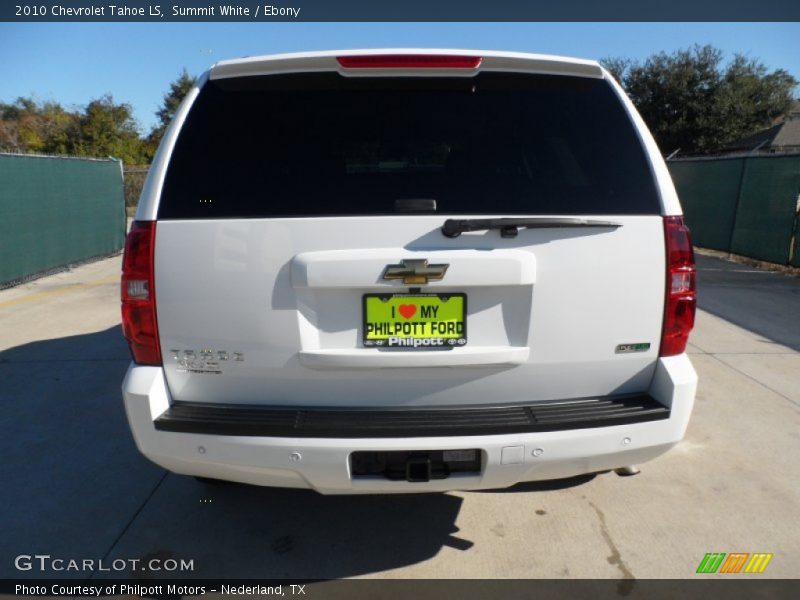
(407,310)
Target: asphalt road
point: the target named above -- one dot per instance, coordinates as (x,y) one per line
(75,487)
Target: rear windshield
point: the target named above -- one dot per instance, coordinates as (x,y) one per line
(325,145)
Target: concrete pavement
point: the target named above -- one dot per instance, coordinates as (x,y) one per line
(74,485)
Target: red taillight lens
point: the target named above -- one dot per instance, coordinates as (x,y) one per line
(139,322)
(681,294)
(409,61)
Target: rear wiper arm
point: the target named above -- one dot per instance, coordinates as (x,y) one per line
(510,227)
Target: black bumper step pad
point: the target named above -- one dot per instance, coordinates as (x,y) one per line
(320,422)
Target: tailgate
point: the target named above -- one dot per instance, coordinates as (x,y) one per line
(298,209)
(545,312)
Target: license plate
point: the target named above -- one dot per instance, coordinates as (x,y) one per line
(415,321)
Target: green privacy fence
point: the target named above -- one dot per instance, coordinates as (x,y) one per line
(55,211)
(744,205)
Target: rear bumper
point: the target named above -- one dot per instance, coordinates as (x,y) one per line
(270,449)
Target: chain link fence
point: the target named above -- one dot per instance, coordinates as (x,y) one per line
(134,176)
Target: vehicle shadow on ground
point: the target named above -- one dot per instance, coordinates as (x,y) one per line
(544,486)
(71,475)
(75,486)
(234,530)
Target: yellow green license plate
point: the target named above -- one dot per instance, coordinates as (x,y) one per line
(415,321)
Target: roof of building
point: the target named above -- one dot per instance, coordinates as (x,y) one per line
(782,137)
(789,133)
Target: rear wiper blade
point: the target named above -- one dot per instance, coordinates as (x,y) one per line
(510,227)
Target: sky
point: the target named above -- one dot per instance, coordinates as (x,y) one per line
(74,63)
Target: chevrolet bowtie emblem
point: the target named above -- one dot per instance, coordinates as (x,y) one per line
(414,271)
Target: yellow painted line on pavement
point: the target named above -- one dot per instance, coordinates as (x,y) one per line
(59,291)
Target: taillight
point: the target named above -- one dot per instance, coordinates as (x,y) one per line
(681,294)
(138,294)
(409,61)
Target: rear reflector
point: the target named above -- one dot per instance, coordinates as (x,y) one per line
(681,294)
(409,61)
(139,322)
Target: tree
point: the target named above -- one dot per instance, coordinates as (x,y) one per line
(26,126)
(693,102)
(109,129)
(617,67)
(102,128)
(169,106)
(59,127)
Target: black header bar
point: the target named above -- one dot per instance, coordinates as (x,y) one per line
(405,10)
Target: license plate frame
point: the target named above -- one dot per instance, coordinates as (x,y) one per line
(447,341)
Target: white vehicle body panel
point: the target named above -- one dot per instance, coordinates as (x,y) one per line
(547,311)
(291,333)
(323,465)
(306,62)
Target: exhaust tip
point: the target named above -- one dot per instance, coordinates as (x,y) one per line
(627,471)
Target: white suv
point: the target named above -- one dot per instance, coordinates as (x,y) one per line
(405,271)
